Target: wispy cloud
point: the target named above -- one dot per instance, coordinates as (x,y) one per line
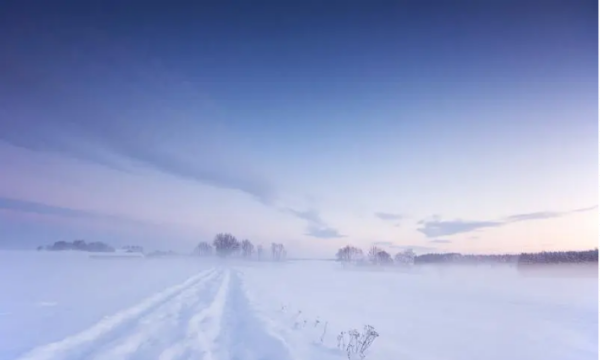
(311,216)
(113,229)
(147,118)
(209,175)
(323,233)
(388,216)
(435,227)
(533,216)
(43,209)
(32,207)
(441,241)
(585,209)
(545,214)
(316,227)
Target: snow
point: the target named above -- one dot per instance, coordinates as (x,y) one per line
(47,296)
(70,306)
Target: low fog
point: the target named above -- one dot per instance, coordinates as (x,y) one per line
(74,305)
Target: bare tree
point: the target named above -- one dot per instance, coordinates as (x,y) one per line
(378,256)
(226,244)
(384,258)
(349,253)
(247,249)
(203,249)
(372,255)
(406,257)
(278,251)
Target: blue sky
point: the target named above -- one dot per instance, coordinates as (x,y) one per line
(470,127)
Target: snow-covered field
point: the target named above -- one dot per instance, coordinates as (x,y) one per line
(68,306)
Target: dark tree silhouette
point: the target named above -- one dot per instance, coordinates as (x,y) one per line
(349,253)
(247,249)
(226,244)
(379,256)
(384,258)
(278,251)
(80,245)
(406,257)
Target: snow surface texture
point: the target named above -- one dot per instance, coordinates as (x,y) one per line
(67,306)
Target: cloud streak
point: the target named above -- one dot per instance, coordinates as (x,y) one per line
(316,226)
(146,118)
(121,227)
(32,207)
(388,216)
(324,233)
(114,229)
(436,227)
(533,216)
(43,209)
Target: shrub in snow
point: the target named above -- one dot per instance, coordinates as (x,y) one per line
(355,344)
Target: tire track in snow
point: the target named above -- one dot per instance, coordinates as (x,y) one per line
(207,317)
(228,329)
(243,336)
(79,346)
(162,327)
(203,329)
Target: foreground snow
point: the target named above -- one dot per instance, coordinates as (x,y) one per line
(183,309)
(453,313)
(206,317)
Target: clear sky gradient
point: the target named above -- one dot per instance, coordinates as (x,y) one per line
(466,126)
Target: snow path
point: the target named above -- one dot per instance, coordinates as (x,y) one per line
(243,336)
(85,343)
(207,317)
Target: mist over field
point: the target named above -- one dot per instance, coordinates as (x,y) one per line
(67,305)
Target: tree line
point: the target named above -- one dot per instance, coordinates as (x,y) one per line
(226,245)
(377,256)
(78,245)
